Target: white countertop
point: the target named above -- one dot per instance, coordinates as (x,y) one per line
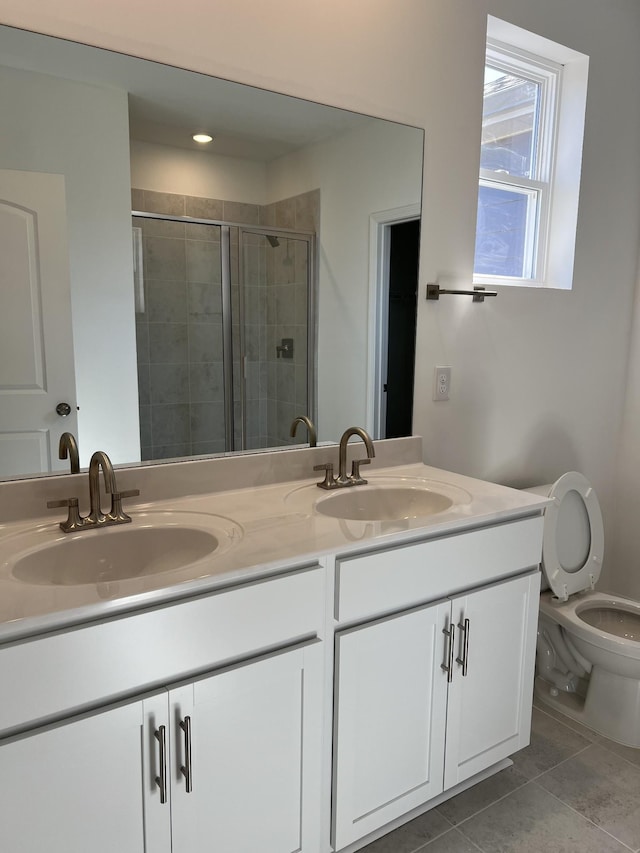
(264,530)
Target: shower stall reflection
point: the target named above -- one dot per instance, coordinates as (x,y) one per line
(219,301)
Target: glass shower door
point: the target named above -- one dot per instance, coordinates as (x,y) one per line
(184,389)
(225,335)
(276,336)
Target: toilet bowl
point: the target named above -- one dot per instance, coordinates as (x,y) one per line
(588,648)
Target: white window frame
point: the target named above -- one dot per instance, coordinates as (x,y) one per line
(562,73)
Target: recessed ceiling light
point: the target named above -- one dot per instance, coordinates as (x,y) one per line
(202,138)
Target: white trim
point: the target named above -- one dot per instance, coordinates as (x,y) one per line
(378,315)
(530,42)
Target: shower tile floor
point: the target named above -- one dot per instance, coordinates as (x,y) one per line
(569,790)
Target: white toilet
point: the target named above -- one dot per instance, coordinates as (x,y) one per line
(588,652)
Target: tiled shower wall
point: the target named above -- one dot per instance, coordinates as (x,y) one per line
(181,381)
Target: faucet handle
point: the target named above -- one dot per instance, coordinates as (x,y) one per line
(355,472)
(329,481)
(74,520)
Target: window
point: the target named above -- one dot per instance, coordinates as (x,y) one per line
(528,188)
(518,124)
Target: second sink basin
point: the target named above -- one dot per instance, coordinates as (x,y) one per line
(153,543)
(382,503)
(384,498)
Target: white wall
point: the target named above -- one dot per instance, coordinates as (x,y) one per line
(175,170)
(72,129)
(625,542)
(538,377)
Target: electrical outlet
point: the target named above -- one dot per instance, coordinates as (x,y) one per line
(441,383)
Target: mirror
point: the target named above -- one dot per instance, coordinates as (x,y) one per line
(275,234)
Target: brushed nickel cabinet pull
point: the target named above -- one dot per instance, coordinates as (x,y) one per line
(464,660)
(161,780)
(448,667)
(185,769)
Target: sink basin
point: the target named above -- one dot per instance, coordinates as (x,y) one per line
(383,499)
(153,543)
(380,503)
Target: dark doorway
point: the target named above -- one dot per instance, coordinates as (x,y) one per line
(404,242)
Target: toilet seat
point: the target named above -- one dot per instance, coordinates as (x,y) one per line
(567,580)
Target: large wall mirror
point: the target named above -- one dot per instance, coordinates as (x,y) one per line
(164,298)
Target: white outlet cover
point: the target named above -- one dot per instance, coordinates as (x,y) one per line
(441,383)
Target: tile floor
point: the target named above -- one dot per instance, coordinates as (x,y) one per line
(570,791)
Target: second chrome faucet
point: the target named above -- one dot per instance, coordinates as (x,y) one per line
(343,479)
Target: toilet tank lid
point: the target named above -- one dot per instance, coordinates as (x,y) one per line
(566,582)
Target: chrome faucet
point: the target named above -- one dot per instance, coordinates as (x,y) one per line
(69,446)
(343,479)
(303,419)
(96,517)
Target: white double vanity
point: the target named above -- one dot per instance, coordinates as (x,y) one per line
(306,681)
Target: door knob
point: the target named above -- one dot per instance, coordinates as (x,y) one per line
(63,409)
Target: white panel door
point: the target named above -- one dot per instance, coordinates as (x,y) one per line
(489,714)
(78,786)
(391,695)
(256,734)
(36,344)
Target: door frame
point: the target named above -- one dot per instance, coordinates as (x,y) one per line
(379,249)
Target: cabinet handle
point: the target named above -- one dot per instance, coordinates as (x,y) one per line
(448,667)
(185,769)
(464,660)
(161,780)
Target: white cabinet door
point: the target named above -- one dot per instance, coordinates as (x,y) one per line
(256,734)
(390,707)
(84,785)
(489,713)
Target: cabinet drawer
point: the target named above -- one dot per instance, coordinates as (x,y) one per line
(100,662)
(388,580)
